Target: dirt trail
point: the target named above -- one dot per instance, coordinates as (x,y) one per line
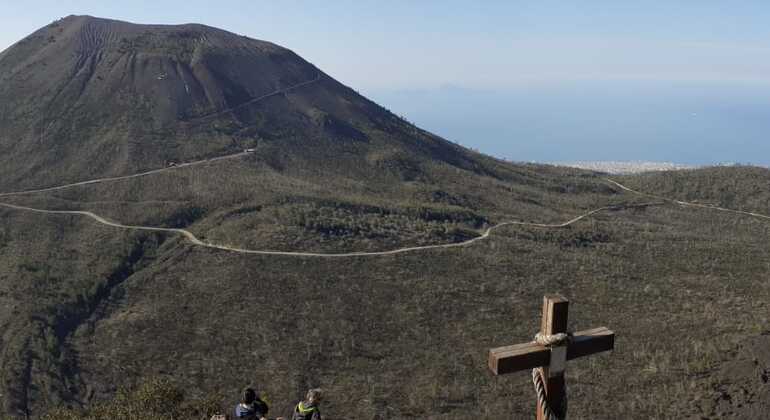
(200,162)
(195,241)
(189,236)
(257,99)
(689,204)
(119,178)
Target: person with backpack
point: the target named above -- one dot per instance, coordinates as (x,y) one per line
(251,406)
(307,409)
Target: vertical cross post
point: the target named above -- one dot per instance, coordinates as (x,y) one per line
(555,312)
(551,356)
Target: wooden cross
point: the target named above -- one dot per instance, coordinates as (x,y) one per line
(552,359)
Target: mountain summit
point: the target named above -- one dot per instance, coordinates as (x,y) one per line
(131,106)
(85,97)
(346,248)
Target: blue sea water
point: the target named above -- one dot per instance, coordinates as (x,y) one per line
(681,122)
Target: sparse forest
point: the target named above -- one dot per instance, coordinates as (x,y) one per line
(100,322)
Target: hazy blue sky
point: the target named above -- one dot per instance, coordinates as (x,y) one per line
(679,80)
(423,44)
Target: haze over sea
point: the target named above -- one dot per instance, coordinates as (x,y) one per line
(696,123)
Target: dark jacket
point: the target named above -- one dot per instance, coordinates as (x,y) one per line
(255,411)
(306,412)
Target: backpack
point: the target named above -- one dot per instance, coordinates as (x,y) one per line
(305,413)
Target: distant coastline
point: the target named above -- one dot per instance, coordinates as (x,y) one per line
(625,167)
(638,167)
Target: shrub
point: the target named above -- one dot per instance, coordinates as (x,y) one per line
(157,399)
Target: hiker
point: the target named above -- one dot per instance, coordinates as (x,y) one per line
(251,406)
(308,408)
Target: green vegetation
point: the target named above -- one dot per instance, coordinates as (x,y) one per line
(682,287)
(87,310)
(154,400)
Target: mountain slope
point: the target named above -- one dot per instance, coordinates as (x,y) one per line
(86,308)
(87,97)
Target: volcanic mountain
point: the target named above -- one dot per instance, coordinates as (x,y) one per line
(85,97)
(186,204)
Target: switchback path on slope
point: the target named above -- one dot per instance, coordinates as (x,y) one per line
(182,165)
(120,178)
(254,100)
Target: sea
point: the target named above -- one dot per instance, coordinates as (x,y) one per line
(674,122)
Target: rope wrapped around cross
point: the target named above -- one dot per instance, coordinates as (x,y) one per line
(549,352)
(538,375)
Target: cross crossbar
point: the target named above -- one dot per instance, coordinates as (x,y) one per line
(549,354)
(518,357)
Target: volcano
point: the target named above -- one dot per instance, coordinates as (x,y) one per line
(85,97)
(181,205)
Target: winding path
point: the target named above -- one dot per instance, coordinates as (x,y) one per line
(689,204)
(195,241)
(189,236)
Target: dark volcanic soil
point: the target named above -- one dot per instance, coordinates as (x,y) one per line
(86,308)
(86,97)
